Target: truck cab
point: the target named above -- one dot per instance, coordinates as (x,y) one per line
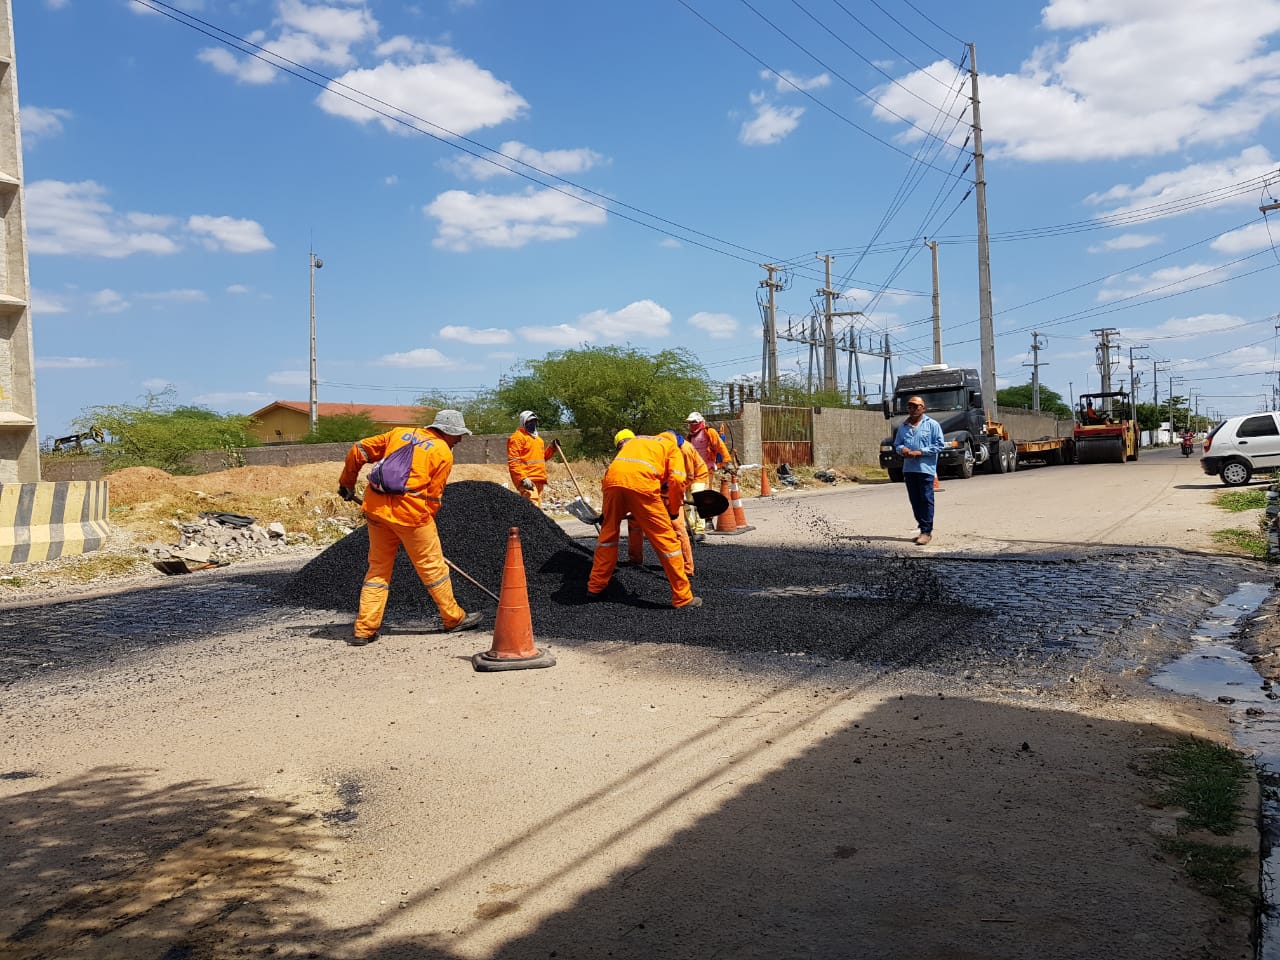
(953,397)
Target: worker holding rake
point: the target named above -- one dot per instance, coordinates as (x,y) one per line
(405,491)
(634,484)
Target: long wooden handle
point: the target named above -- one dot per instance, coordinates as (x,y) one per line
(569,470)
(472,580)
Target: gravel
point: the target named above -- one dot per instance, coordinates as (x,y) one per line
(757,599)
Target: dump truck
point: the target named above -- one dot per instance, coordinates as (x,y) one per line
(1104,433)
(953,397)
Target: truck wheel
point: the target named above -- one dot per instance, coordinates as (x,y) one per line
(966,468)
(999,462)
(1236,473)
(895,476)
(1013,456)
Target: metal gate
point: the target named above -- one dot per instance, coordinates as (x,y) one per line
(786,435)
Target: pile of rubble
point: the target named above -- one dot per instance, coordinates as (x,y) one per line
(216,539)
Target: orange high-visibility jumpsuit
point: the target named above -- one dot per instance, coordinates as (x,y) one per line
(714,454)
(527,457)
(633,485)
(694,468)
(408,519)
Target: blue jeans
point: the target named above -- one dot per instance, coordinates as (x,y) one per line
(920,493)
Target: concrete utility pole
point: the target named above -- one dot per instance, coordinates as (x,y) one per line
(937,304)
(1133,383)
(769,373)
(1157,367)
(984,246)
(1035,366)
(312,407)
(1105,363)
(828,331)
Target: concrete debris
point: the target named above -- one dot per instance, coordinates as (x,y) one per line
(207,541)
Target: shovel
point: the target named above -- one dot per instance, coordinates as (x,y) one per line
(579,508)
(708,503)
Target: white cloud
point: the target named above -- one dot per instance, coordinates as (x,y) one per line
(771,124)
(421,357)
(230,234)
(237,288)
(56,4)
(1256,236)
(74,363)
(1163,282)
(46,304)
(504,161)
(787,82)
(1171,189)
(487,335)
(176,296)
(289,378)
(471,220)
(1126,241)
(453,92)
(670,243)
(108,301)
(74,219)
(1121,79)
(314,35)
(1186,328)
(718,326)
(41,123)
(638,320)
(1243,360)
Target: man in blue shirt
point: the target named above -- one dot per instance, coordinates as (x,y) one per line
(919,441)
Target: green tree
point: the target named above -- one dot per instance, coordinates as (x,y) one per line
(600,390)
(481,412)
(1150,416)
(343,428)
(1020,398)
(793,392)
(161,433)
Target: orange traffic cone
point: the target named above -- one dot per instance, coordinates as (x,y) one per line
(936,485)
(727,522)
(735,502)
(765,489)
(513,647)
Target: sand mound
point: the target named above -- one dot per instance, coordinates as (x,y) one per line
(136,484)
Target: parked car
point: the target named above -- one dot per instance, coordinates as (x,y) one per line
(1240,446)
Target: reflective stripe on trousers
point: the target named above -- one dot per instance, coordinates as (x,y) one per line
(422,544)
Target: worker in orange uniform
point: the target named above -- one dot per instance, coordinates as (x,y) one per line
(527,457)
(635,537)
(403,512)
(715,455)
(633,484)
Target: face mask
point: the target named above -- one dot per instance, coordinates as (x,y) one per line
(532,427)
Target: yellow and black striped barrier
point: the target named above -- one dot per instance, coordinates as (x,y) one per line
(43,521)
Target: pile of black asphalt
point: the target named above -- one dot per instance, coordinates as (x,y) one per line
(890,609)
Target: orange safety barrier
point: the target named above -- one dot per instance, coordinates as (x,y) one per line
(513,647)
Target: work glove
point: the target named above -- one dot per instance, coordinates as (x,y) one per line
(346,493)
(526,483)
(555,444)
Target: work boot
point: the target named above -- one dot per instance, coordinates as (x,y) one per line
(361,641)
(695,602)
(468,622)
(924,539)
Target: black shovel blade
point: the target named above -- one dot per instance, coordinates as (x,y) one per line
(709,503)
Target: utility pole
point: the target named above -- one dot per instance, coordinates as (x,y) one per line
(313,406)
(1158,367)
(828,331)
(1105,363)
(769,375)
(1133,384)
(984,245)
(1172,378)
(937,304)
(1035,366)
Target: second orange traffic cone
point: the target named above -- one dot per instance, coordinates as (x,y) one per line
(513,647)
(735,504)
(727,522)
(765,489)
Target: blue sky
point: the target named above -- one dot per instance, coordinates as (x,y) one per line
(175,186)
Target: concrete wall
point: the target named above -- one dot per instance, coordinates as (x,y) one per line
(42,521)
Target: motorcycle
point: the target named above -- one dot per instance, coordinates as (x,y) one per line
(1188,444)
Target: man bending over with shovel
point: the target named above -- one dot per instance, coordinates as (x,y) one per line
(404,495)
(634,484)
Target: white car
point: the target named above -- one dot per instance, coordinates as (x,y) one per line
(1240,446)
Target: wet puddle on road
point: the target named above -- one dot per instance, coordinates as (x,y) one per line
(1215,670)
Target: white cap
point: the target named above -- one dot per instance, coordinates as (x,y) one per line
(450,422)
(695,417)
(526,416)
